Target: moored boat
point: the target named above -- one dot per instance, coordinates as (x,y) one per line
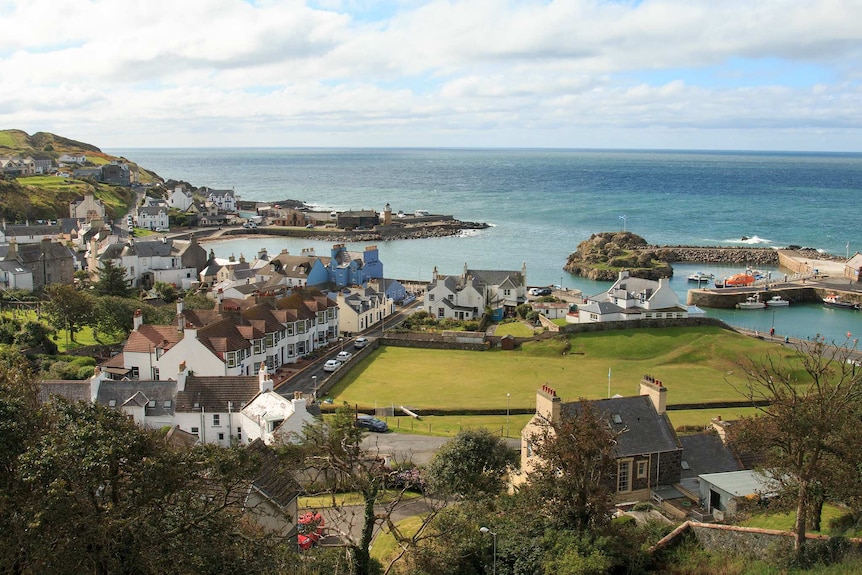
(777,301)
(832,300)
(751,302)
(738,280)
(700,277)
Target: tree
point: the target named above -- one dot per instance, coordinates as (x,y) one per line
(471,464)
(336,462)
(573,478)
(67,308)
(112,280)
(807,429)
(168,292)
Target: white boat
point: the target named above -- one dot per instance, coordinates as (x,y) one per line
(700,277)
(777,301)
(751,302)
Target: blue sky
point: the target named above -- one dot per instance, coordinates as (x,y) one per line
(696,74)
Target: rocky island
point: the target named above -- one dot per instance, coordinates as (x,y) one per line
(605,254)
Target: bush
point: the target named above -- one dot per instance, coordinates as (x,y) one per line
(642,506)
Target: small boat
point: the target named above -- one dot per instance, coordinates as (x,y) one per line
(751,302)
(777,301)
(700,277)
(832,300)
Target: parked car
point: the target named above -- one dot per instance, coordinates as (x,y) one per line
(331,365)
(544,291)
(360,342)
(371,423)
(343,356)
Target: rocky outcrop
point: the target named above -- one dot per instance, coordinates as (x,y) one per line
(604,255)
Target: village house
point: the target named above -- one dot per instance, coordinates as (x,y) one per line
(152,217)
(147,262)
(361,308)
(226,200)
(631,299)
(180,198)
(87,208)
(466,297)
(37,264)
(18,167)
(353,268)
(649,453)
(358,220)
(853,268)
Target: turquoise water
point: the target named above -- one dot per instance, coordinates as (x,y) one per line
(542,203)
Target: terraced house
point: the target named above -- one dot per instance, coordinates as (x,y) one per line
(235,339)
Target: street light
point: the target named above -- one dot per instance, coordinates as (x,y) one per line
(508,397)
(494,535)
(314,384)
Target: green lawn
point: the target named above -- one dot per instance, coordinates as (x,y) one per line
(385,546)
(702,417)
(83,337)
(515,329)
(695,364)
(349,498)
(785,521)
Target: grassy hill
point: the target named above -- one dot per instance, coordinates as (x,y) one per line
(48,197)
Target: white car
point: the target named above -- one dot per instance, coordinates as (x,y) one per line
(360,342)
(331,365)
(343,356)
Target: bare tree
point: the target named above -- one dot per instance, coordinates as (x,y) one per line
(813,402)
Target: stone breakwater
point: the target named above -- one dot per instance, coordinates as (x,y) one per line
(715,255)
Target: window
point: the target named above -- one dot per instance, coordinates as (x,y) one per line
(258,346)
(231,359)
(112,403)
(151,403)
(135,374)
(168,403)
(451,297)
(430,297)
(195,430)
(441,312)
(642,468)
(155,373)
(216,418)
(221,436)
(624,475)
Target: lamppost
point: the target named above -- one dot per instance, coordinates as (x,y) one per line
(494,536)
(341,343)
(314,384)
(508,397)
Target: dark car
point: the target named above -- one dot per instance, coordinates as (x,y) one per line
(371,423)
(544,291)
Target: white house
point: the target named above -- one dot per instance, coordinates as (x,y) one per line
(551,309)
(234,343)
(153,217)
(466,297)
(362,308)
(224,199)
(180,198)
(275,419)
(631,299)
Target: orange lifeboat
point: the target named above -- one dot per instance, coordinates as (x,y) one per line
(738,280)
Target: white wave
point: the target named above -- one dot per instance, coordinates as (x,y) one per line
(753,240)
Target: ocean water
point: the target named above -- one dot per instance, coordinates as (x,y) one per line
(542,203)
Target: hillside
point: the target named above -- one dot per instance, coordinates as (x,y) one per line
(48,197)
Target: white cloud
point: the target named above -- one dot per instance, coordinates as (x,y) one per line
(229,72)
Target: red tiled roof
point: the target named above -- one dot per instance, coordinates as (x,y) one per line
(147,337)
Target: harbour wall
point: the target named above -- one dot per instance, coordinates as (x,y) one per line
(717,298)
(723,255)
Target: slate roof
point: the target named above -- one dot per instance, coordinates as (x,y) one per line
(647,431)
(73,390)
(273,480)
(139,393)
(498,277)
(212,394)
(151,249)
(705,453)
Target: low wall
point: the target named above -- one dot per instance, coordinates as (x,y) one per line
(643,323)
(433,341)
(718,255)
(734,540)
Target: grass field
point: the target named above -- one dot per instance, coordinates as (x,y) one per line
(83,337)
(385,545)
(515,329)
(785,521)
(349,498)
(695,364)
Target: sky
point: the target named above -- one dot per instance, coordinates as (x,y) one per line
(650,74)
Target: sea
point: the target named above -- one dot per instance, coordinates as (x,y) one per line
(540,204)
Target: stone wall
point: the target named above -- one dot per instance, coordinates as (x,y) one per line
(431,341)
(717,255)
(733,540)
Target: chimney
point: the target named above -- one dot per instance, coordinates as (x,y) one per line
(179,306)
(182,374)
(263,379)
(656,392)
(96,381)
(137,320)
(181,322)
(548,404)
(219,299)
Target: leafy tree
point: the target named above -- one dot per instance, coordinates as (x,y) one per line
(85,490)
(114,314)
(807,431)
(197,301)
(573,477)
(112,280)
(471,464)
(67,308)
(168,292)
(35,333)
